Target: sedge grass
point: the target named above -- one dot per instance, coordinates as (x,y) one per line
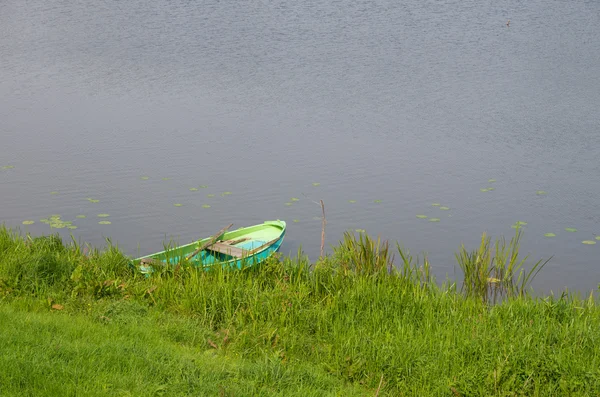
(347,324)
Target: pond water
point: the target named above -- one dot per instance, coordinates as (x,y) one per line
(174,118)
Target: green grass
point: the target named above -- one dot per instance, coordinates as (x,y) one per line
(345,325)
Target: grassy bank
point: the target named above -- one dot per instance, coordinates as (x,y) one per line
(351,324)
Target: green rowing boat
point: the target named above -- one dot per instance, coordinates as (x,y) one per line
(246,246)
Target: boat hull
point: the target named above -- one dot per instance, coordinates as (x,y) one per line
(257,243)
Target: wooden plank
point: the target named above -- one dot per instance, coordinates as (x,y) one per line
(208,243)
(227,249)
(234,242)
(150,261)
(255,250)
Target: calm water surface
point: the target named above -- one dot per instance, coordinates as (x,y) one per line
(410,103)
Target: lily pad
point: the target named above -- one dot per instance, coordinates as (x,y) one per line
(193,189)
(178,205)
(45,220)
(598,238)
(588,242)
(28,222)
(549,235)
(203,186)
(377,201)
(444,208)
(80,216)
(165,179)
(91,200)
(103,215)
(436,204)
(541,192)
(491,180)
(352,201)
(210,195)
(570,229)
(226,194)
(288,204)
(205,206)
(316,183)
(484,189)
(53,192)
(294,199)
(7,167)
(145,178)
(434,219)
(72,227)
(422,216)
(104,222)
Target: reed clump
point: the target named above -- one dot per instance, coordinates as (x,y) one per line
(492,272)
(352,323)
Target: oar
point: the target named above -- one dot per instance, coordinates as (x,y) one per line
(208,243)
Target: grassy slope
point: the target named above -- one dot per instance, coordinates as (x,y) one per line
(137,353)
(275,330)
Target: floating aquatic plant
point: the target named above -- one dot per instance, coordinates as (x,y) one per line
(484,189)
(541,192)
(352,201)
(72,227)
(104,222)
(598,238)
(491,180)
(570,229)
(521,223)
(444,208)
(296,220)
(193,189)
(45,220)
(436,204)
(588,242)
(294,199)
(103,215)
(288,204)
(145,178)
(377,201)
(434,219)
(316,183)
(178,204)
(549,235)
(225,194)
(203,186)
(53,192)
(80,216)
(210,195)
(91,200)
(165,179)
(7,167)
(422,216)
(205,206)
(28,222)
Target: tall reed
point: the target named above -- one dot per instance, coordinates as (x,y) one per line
(493,272)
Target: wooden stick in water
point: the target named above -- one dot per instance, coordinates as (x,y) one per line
(323,229)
